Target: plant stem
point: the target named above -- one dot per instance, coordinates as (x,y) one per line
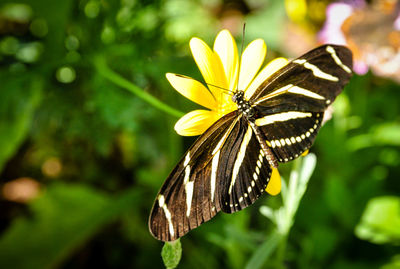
(112,76)
(296,188)
(280,252)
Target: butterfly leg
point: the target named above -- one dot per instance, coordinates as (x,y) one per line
(273,162)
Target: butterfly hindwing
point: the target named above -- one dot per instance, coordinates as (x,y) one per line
(291,133)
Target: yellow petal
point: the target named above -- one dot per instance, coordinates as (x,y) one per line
(195,122)
(252,59)
(274,184)
(192,89)
(266,72)
(225,47)
(210,66)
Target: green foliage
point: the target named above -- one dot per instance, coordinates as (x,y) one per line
(171,254)
(380,221)
(292,194)
(64,217)
(284,216)
(394,263)
(273,14)
(110,75)
(19,100)
(264,251)
(87,114)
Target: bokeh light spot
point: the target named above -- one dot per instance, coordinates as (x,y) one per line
(17,12)
(108,35)
(30,53)
(66,74)
(9,45)
(21,189)
(72,42)
(92,9)
(39,27)
(52,167)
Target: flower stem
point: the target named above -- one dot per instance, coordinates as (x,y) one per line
(112,76)
(292,193)
(280,252)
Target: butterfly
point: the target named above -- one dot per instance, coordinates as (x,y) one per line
(230,165)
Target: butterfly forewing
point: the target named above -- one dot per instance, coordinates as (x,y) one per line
(184,201)
(308,83)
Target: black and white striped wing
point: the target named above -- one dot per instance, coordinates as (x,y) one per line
(224,170)
(292,134)
(188,197)
(243,169)
(308,83)
(290,104)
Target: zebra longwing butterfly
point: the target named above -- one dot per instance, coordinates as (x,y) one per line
(230,165)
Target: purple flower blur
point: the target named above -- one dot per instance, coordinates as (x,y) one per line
(336,15)
(371,31)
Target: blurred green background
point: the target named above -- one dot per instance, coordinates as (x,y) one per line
(82,158)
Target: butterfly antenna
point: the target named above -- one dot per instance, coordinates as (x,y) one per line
(226,91)
(243,37)
(241,51)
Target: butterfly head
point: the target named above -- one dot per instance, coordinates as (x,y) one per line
(238,97)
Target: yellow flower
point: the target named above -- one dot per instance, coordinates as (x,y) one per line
(220,67)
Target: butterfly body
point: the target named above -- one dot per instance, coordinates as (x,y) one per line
(249,113)
(230,165)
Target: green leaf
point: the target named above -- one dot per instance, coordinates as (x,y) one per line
(393,264)
(380,135)
(307,168)
(19,98)
(388,134)
(62,219)
(171,254)
(109,74)
(380,221)
(261,255)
